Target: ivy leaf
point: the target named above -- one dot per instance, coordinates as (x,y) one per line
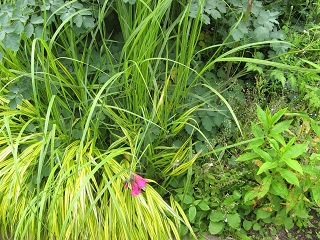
(261,33)
(12,41)
(29,30)
(215,227)
(234,220)
(88,22)
(35,19)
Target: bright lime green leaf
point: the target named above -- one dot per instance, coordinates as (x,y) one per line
(295,165)
(289,176)
(234,220)
(266,156)
(281,127)
(216,227)
(247,156)
(295,151)
(274,144)
(275,118)
(261,115)
(256,130)
(316,195)
(266,166)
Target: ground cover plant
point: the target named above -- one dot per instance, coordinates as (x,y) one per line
(140,120)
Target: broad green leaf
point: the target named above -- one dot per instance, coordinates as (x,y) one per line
(217,216)
(203,206)
(265,186)
(215,227)
(18,27)
(218,119)
(2,35)
(237,35)
(280,188)
(188,199)
(266,166)
(247,156)
(275,118)
(316,195)
(12,41)
(288,223)
(250,195)
(295,151)
(192,213)
(294,164)
(247,225)
(234,220)
(207,123)
(289,176)
(280,127)
(266,156)
(261,214)
(256,227)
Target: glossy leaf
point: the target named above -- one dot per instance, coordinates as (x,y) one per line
(294,164)
(266,166)
(289,176)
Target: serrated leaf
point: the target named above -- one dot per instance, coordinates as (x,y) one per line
(294,165)
(215,227)
(247,156)
(261,33)
(203,206)
(289,176)
(234,220)
(280,127)
(266,166)
(35,19)
(280,188)
(295,151)
(216,216)
(12,41)
(278,75)
(29,30)
(192,212)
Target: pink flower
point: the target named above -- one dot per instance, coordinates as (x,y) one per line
(135,190)
(142,182)
(137,183)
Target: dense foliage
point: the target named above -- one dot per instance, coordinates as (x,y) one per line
(215,104)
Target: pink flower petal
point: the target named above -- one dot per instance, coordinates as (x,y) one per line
(142,182)
(135,190)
